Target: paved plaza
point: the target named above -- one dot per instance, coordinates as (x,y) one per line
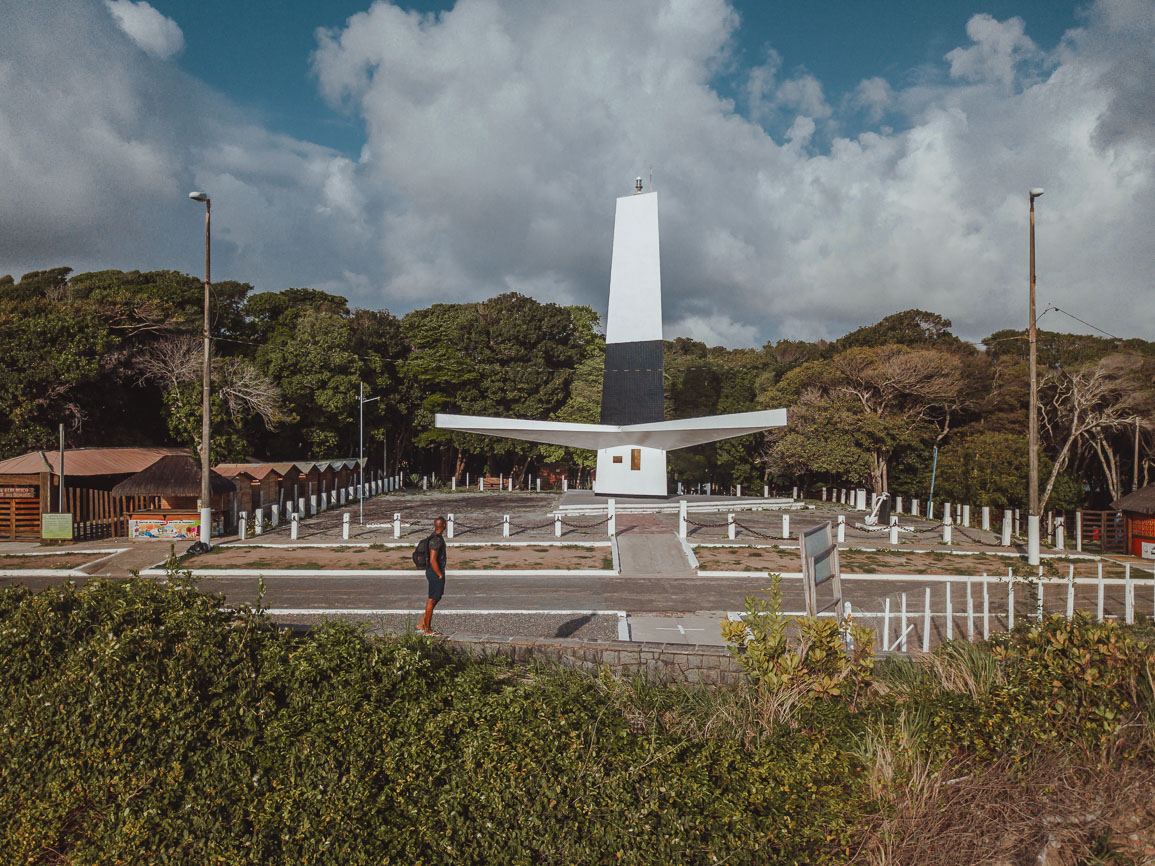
(654,591)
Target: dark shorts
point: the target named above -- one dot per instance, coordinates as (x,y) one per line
(436,584)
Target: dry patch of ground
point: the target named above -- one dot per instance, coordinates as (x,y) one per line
(400,558)
(52,560)
(899,562)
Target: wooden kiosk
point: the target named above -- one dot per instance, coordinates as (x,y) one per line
(168,495)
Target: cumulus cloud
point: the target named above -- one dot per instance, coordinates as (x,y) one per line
(499,133)
(99,148)
(153,32)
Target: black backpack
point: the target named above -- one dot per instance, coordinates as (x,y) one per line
(421,553)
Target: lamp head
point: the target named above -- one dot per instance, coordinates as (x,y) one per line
(199,196)
(1036,192)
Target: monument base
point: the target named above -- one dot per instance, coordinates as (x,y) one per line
(631,470)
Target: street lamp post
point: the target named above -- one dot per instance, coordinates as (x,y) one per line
(1033,420)
(361,448)
(206,487)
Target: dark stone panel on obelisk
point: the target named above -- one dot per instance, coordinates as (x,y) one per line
(632,388)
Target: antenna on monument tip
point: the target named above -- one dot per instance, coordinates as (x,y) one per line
(651,177)
(638,185)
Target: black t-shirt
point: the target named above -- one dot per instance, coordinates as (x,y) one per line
(437,549)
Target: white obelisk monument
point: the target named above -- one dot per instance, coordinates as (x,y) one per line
(633,436)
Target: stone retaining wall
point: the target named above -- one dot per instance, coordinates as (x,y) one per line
(655,662)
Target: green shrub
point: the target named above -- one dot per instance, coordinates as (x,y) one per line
(142,722)
(782,653)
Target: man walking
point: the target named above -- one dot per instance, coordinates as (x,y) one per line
(434,576)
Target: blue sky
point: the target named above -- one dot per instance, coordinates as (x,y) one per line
(819,165)
(259,53)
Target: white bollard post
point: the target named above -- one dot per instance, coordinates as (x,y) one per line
(340,495)
(449,524)
(1039,602)
(424,482)
(453,483)
(301,506)
(898,505)
(794,495)
(467,481)
(926,622)
(511,484)
(557,526)
(1079,531)
(481,484)
(823,493)
(841,528)
(242,525)
(537,481)
(345,526)
(565,485)
(1070,592)
(966,516)
(1128,595)
(1099,607)
(914,508)
(902,623)
(681,518)
(295,526)
(785,525)
(275,515)
(947,514)
(259,521)
(313,504)
(505,526)
(1006,539)
(1060,533)
(861,500)
(986,518)
(730,528)
(1010,599)
(613,515)
(766,491)
(893,529)
(396,524)
(738,490)
(946,528)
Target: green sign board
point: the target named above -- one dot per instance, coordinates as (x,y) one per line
(56,526)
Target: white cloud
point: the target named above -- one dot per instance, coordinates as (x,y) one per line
(498,134)
(153,32)
(999,47)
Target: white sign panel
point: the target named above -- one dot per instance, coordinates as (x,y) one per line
(1147,549)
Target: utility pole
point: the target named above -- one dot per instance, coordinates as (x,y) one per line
(1033,420)
(206,487)
(361,452)
(1135,462)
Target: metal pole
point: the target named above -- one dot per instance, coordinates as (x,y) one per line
(933,470)
(361,453)
(206,489)
(60,476)
(1033,419)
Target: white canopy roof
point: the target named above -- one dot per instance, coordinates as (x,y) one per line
(667,435)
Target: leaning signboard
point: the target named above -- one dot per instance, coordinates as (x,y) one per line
(58,526)
(820,569)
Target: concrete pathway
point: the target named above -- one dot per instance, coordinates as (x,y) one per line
(698,628)
(646,546)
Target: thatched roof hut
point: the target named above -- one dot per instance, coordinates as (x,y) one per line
(1142,501)
(174,475)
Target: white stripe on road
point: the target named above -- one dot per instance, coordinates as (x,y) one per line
(375,611)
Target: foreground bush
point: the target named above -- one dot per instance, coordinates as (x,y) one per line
(142,723)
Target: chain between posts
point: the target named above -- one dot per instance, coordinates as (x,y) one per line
(580,525)
(751,530)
